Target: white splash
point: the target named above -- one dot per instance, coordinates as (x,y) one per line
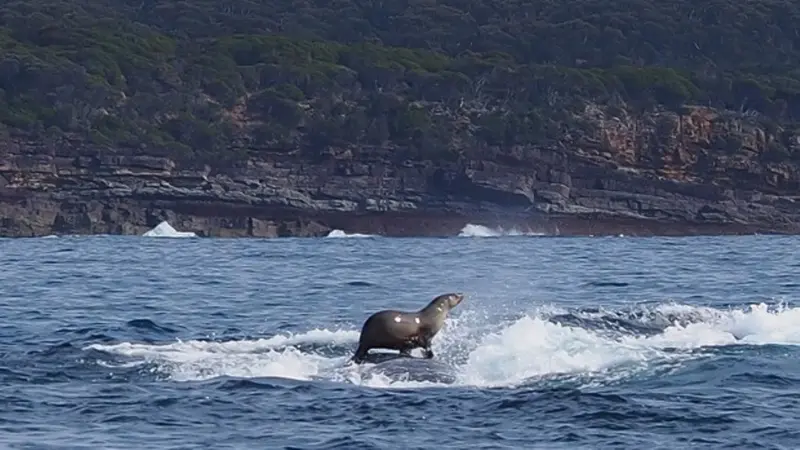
(471,230)
(480,354)
(277,356)
(164,229)
(534,347)
(342,234)
(756,325)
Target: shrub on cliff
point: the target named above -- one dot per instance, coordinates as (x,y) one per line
(431,77)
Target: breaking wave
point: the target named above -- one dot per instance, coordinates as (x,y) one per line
(164,229)
(584,346)
(342,234)
(471,230)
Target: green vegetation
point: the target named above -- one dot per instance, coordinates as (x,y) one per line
(188,78)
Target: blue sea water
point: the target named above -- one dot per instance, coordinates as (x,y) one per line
(614,342)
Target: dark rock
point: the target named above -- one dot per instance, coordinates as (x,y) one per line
(561,190)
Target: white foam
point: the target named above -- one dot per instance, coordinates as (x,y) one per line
(534,347)
(756,325)
(471,230)
(200,360)
(342,234)
(164,229)
(482,355)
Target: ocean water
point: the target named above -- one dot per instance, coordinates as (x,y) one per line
(613,342)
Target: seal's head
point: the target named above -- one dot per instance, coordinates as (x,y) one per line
(450,300)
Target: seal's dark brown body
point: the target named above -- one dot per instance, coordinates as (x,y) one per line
(403,330)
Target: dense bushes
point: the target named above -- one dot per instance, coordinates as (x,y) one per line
(191,76)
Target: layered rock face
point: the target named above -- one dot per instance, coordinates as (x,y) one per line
(698,171)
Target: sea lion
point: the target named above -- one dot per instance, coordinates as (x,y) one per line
(405,331)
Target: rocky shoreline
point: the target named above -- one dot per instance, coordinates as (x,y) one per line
(38,215)
(391,225)
(624,186)
(119,203)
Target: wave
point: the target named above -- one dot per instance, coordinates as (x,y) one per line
(471,230)
(342,234)
(164,229)
(587,346)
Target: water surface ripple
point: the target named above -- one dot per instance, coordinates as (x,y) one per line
(142,343)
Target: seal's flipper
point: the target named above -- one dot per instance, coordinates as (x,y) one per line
(360,355)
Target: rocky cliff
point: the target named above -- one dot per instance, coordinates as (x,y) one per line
(279,118)
(658,173)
